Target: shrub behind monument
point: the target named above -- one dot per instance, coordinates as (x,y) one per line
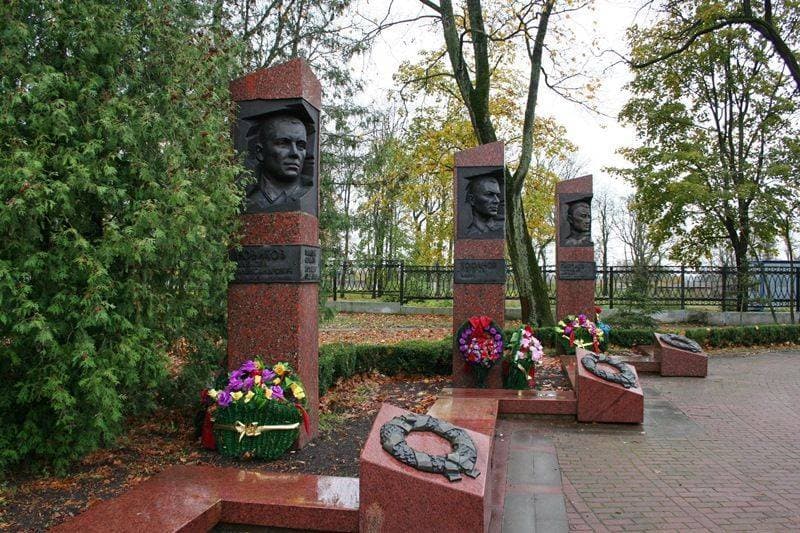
(118,199)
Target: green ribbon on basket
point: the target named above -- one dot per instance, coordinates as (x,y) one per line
(253,429)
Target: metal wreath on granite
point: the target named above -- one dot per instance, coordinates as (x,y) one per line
(460,460)
(625,377)
(681,342)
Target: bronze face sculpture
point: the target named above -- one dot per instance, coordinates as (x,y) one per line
(280,154)
(579,218)
(485,196)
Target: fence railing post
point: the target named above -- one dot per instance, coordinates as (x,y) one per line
(402,281)
(724,287)
(342,281)
(683,286)
(797,288)
(611,287)
(335,277)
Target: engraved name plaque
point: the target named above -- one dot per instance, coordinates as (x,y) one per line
(291,263)
(576,270)
(480,271)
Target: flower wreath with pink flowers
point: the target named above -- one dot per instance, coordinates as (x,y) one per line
(480,342)
(576,330)
(525,351)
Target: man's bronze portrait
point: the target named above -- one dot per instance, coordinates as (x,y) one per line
(280,151)
(579,223)
(485,197)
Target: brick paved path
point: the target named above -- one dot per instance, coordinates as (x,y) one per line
(714,454)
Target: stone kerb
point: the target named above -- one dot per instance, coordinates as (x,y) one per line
(395,497)
(479,277)
(272,301)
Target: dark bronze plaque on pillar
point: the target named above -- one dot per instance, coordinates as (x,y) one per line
(480,203)
(575,220)
(290,263)
(280,140)
(480,271)
(576,270)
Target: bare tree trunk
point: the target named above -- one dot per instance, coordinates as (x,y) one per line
(533,298)
(533,295)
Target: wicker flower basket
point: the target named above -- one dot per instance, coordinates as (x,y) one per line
(242,430)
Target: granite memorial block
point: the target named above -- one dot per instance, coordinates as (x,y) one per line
(480,274)
(575,265)
(272,301)
(607,391)
(396,496)
(680,356)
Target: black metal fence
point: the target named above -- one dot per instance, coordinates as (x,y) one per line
(668,286)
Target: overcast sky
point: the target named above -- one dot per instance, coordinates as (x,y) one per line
(598,137)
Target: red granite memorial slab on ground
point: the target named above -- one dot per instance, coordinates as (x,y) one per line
(676,362)
(600,400)
(397,497)
(197,498)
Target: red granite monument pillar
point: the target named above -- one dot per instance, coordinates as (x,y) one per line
(575,267)
(479,279)
(272,301)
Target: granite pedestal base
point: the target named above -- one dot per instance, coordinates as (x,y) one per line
(277,322)
(680,363)
(603,401)
(397,497)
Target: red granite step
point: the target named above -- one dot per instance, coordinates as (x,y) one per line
(529,402)
(644,349)
(478,414)
(647,364)
(196,498)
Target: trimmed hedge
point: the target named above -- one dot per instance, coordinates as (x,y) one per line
(618,337)
(745,335)
(627,338)
(414,357)
(434,357)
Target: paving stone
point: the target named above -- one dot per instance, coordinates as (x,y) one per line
(714,454)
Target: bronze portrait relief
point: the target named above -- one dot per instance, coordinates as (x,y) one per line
(279,141)
(575,220)
(480,206)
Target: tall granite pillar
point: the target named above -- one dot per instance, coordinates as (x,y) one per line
(479,281)
(272,301)
(575,266)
